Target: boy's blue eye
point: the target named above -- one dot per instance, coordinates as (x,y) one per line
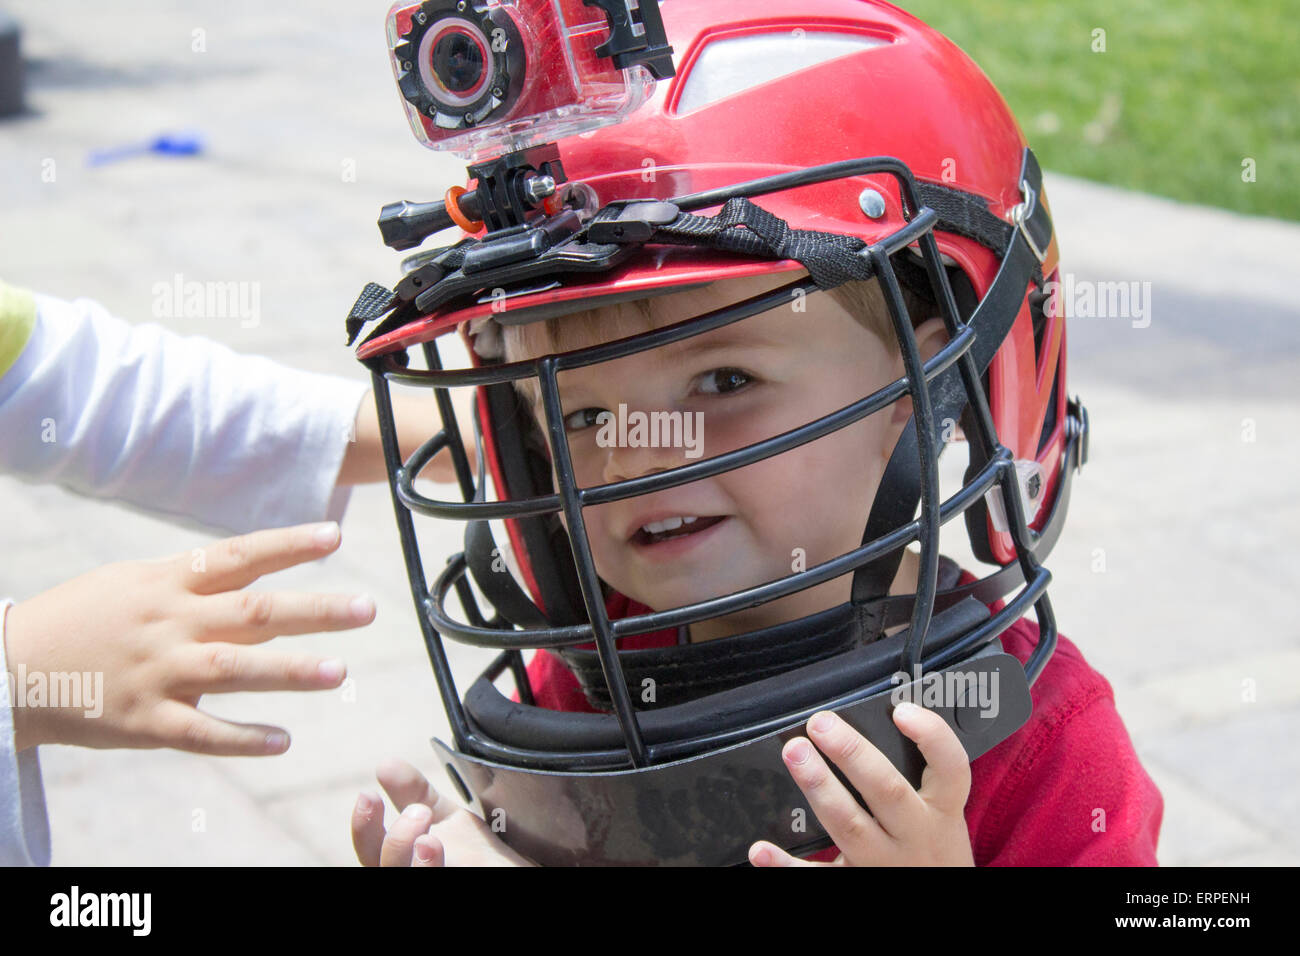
(726,379)
(582,418)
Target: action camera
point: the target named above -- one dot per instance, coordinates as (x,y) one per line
(502,75)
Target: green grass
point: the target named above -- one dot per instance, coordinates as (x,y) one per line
(1184,93)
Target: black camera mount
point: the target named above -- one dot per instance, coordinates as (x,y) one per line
(529,208)
(509,191)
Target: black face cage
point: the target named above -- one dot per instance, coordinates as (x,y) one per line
(714,793)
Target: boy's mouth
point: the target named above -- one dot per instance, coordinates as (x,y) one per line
(657,532)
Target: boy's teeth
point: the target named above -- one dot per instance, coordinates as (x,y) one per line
(668,524)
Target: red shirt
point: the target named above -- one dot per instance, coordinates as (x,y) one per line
(1066,789)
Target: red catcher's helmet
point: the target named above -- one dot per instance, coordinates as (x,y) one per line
(871,147)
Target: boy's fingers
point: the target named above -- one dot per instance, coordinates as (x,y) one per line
(399,844)
(248,617)
(945,784)
(220,668)
(429,851)
(850,826)
(184,728)
(368,828)
(234,563)
(763,853)
(476,842)
(405,785)
(892,800)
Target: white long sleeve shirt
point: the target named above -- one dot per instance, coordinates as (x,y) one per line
(180,426)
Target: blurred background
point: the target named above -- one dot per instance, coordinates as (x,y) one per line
(1171,136)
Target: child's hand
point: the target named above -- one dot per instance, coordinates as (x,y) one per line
(431,831)
(906,827)
(163,633)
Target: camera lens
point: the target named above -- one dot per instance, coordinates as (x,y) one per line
(458,62)
(460,65)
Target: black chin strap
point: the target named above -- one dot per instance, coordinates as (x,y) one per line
(900,487)
(665,676)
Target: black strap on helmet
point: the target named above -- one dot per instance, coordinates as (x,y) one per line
(660,677)
(778,698)
(900,487)
(556,578)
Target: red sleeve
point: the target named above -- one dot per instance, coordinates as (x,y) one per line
(1067,789)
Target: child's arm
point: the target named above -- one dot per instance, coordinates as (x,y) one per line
(416,419)
(184,426)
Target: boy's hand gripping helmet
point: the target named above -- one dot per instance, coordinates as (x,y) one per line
(848,139)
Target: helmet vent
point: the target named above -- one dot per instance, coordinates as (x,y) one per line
(733,64)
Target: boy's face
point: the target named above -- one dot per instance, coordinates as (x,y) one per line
(735,386)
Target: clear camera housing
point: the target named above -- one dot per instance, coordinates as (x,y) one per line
(501,75)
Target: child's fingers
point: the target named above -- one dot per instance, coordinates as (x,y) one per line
(234,563)
(248,617)
(405,785)
(845,821)
(368,828)
(429,851)
(182,727)
(946,781)
(763,853)
(399,844)
(220,668)
(892,800)
(475,844)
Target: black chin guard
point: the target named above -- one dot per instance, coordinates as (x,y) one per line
(707,810)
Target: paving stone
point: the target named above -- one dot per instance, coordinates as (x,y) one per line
(140,808)
(1247,763)
(1195,828)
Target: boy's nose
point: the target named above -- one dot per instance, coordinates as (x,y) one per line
(629,460)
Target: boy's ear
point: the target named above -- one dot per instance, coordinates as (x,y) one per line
(931,336)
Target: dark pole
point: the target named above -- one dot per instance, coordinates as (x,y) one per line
(11,66)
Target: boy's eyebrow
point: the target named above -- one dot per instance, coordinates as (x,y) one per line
(727,337)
